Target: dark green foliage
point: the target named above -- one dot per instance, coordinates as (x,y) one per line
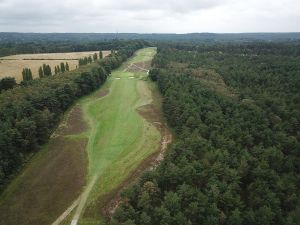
(62,67)
(67,67)
(90,60)
(55,70)
(83,61)
(7,83)
(101,55)
(11,46)
(153,74)
(95,56)
(27,74)
(41,72)
(30,113)
(235,160)
(46,70)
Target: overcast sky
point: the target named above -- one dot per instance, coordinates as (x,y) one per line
(150,16)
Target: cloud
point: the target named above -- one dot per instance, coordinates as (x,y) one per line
(177,16)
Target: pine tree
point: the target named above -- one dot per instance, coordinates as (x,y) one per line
(24,75)
(41,72)
(27,74)
(95,56)
(67,66)
(62,67)
(45,70)
(90,60)
(85,61)
(55,70)
(101,55)
(49,69)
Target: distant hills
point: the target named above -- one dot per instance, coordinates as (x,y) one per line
(6,37)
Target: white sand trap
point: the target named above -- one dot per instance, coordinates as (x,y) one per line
(130,77)
(117,78)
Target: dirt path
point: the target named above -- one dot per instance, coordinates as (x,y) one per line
(82,200)
(136,66)
(67,212)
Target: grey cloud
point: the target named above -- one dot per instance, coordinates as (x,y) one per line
(180,6)
(149,15)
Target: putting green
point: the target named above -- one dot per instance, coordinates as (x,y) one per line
(119,138)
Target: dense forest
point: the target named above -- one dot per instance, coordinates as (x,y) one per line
(21,46)
(29,112)
(17,43)
(92,37)
(235,111)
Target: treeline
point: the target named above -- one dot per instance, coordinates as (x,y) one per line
(30,112)
(27,74)
(235,160)
(44,71)
(87,60)
(240,48)
(197,37)
(10,47)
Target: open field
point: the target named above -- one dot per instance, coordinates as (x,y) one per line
(13,65)
(103,143)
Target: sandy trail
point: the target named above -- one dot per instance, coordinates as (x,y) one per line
(67,212)
(140,67)
(82,200)
(134,65)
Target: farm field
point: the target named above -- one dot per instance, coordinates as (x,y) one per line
(14,64)
(103,143)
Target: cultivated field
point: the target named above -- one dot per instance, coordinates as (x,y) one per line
(13,65)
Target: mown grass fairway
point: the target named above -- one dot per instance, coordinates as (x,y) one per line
(119,139)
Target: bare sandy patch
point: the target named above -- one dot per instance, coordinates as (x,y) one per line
(102,93)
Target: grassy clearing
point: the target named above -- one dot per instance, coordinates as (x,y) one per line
(13,65)
(120,139)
